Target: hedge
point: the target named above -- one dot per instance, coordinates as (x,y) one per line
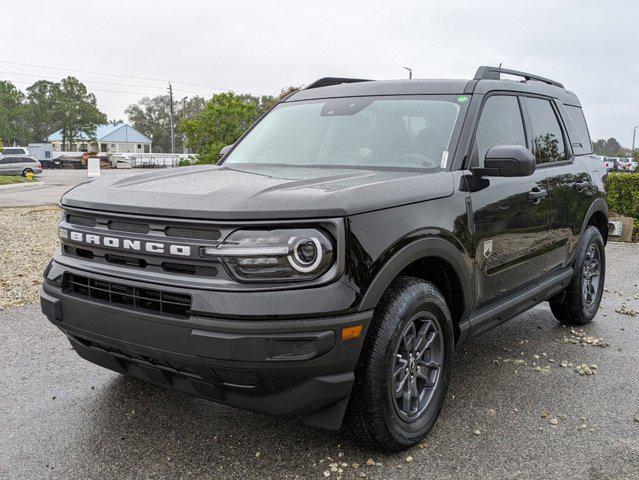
(623,194)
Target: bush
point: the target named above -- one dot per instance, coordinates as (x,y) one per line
(623,194)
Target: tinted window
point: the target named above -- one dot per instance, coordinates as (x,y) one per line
(27,160)
(548,140)
(7,160)
(500,124)
(358,131)
(577,117)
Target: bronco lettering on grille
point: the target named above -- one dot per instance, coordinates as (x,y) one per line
(127,244)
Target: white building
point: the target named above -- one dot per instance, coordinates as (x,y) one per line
(110,138)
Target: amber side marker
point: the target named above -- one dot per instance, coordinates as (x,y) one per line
(349,333)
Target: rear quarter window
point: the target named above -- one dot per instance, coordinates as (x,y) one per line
(578,119)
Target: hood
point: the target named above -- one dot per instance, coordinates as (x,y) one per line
(256,192)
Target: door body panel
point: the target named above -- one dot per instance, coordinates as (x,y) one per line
(571,194)
(511,235)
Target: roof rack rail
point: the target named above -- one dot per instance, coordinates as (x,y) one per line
(494,73)
(328,81)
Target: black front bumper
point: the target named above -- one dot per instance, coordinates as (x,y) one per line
(299,367)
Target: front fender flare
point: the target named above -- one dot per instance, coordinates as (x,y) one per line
(421,248)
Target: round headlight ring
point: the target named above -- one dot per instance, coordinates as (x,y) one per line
(297,262)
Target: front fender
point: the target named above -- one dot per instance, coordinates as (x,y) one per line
(420,248)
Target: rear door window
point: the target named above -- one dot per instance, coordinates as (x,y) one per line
(548,138)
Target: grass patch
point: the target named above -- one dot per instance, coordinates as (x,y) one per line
(8,180)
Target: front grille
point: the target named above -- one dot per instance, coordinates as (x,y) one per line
(188,269)
(78,252)
(143,299)
(124,260)
(236,376)
(219,375)
(80,220)
(119,226)
(193,232)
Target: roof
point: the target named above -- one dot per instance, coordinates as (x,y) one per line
(111,132)
(434,87)
(383,87)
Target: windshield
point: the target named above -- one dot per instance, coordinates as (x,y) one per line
(358,131)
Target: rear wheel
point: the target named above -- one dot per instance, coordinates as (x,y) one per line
(402,377)
(579,303)
(26,171)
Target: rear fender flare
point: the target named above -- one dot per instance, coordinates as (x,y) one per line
(599,205)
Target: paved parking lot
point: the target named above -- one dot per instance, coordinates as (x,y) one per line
(54,183)
(513,410)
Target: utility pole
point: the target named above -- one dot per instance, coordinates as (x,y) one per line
(410,72)
(634,134)
(171,118)
(182,113)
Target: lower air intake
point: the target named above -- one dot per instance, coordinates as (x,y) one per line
(121,295)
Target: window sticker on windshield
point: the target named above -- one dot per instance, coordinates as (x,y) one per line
(462,99)
(444,159)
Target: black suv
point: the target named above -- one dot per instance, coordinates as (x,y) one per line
(343,248)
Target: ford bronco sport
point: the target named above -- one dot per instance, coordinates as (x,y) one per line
(342,249)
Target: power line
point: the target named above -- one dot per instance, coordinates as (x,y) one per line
(115,91)
(99,89)
(97,81)
(109,74)
(85,81)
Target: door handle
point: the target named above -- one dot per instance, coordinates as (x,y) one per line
(536,194)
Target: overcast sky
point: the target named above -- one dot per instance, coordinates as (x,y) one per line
(259,47)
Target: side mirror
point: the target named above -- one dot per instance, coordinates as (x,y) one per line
(224,151)
(507,161)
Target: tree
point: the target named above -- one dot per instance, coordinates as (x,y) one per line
(43,109)
(607,148)
(78,110)
(224,119)
(11,114)
(151,116)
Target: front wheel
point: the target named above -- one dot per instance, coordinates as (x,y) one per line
(579,303)
(402,377)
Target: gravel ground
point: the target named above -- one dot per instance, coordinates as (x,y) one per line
(521,405)
(28,239)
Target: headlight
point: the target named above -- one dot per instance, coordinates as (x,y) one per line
(275,255)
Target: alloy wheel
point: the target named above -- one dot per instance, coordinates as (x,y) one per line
(591,275)
(418,360)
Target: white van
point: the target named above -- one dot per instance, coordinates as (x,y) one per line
(14,151)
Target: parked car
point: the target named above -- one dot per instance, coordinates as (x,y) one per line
(626,164)
(610,163)
(14,151)
(342,250)
(19,165)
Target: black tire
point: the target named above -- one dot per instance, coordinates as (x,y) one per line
(25,171)
(578,303)
(375,413)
